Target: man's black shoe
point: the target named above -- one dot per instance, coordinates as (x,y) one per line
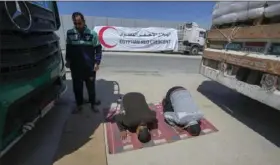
(94,109)
(97,102)
(77,110)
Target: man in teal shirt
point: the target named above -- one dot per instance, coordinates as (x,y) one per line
(83,56)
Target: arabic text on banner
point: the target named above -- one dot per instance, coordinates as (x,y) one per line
(150,39)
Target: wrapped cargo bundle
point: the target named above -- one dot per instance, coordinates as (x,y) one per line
(272,9)
(256,9)
(224,8)
(229,12)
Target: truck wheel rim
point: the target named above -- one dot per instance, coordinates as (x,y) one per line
(194,51)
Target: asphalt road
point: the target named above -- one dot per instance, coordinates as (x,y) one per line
(118,62)
(149,62)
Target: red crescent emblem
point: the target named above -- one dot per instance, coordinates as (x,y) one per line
(101,39)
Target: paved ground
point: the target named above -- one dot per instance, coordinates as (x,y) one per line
(248,134)
(128,63)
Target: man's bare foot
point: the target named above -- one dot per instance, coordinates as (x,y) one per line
(123,135)
(94,109)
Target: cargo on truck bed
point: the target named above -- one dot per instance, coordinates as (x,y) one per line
(243,48)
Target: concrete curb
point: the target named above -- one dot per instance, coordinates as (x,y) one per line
(148,54)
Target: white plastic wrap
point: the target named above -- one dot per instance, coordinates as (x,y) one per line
(256,4)
(229,12)
(239,6)
(229,7)
(228,18)
(216,6)
(255,13)
(222,4)
(242,15)
(271,3)
(221,8)
(272,10)
(221,11)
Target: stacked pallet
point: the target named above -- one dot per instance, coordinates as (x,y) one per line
(246,34)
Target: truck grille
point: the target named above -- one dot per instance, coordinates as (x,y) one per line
(24,57)
(42,20)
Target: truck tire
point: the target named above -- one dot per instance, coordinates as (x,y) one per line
(194,50)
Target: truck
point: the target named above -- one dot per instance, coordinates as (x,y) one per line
(243,48)
(191,38)
(32,72)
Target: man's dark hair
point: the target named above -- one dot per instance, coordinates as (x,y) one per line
(144,135)
(76,14)
(194,130)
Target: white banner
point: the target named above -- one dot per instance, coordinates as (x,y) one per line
(150,39)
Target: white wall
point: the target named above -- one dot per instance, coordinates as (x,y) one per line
(91,21)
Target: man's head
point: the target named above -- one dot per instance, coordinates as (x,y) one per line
(143,133)
(78,21)
(194,129)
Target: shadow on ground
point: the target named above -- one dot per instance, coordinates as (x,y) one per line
(79,128)
(257,116)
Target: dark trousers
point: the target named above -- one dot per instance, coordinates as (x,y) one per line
(78,86)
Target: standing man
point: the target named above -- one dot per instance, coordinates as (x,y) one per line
(83,57)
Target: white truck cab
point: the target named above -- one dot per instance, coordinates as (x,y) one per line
(191,38)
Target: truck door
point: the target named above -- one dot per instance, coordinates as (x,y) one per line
(201,38)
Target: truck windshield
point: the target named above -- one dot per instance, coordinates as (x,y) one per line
(202,34)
